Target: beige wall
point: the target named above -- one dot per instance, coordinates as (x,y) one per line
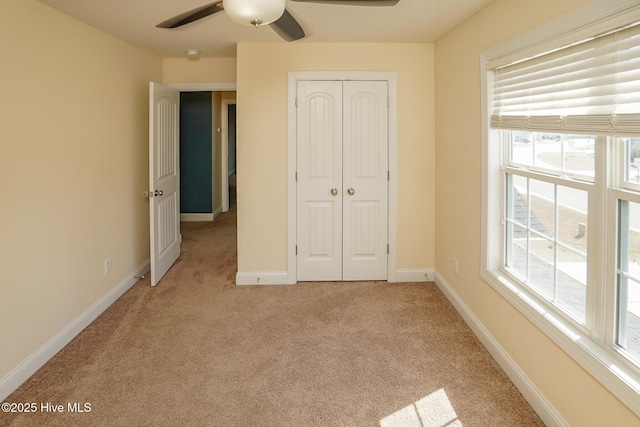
(199,70)
(580,399)
(73,166)
(262,143)
(228,95)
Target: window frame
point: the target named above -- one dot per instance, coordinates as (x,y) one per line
(616,194)
(621,154)
(590,346)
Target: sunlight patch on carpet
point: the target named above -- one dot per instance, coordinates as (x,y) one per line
(434,410)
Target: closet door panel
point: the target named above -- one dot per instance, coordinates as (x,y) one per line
(365,180)
(319,180)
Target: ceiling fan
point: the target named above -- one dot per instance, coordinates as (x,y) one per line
(262,12)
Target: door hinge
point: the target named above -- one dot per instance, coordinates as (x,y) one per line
(388,102)
(296,102)
(388,175)
(387,249)
(296,249)
(296,175)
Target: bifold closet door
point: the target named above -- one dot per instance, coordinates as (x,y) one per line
(342,180)
(365,180)
(319,180)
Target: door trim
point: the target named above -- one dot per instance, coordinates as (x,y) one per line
(204,86)
(391,79)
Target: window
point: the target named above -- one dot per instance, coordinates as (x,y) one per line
(626,197)
(546,215)
(562,192)
(632,165)
(628,275)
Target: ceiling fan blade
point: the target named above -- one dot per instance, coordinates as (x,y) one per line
(354,2)
(192,15)
(287,27)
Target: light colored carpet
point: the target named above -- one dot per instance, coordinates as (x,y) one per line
(197,350)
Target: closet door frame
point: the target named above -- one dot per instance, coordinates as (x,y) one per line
(391,79)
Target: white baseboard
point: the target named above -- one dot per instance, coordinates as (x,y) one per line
(263,278)
(536,399)
(282,277)
(196,217)
(217,212)
(36,360)
(414,275)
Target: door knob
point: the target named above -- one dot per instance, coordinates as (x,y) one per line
(157,193)
(334,191)
(350,191)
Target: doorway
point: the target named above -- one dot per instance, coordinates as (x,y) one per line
(223,93)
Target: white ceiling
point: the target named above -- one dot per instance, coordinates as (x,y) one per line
(134,21)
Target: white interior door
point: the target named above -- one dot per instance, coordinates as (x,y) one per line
(342,184)
(164,205)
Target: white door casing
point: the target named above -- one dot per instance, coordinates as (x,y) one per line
(164,204)
(342,180)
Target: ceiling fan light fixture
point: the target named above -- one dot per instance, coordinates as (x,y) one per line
(254,12)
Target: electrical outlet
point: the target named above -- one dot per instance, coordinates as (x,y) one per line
(455,265)
(107,265)
(429,276)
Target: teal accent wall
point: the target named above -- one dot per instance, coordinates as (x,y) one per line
(195,152)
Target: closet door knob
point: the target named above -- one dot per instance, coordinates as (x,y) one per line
(351,191)
(334,191)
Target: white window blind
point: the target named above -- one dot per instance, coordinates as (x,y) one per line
(591,87)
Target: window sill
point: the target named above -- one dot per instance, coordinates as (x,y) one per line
(622,381)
